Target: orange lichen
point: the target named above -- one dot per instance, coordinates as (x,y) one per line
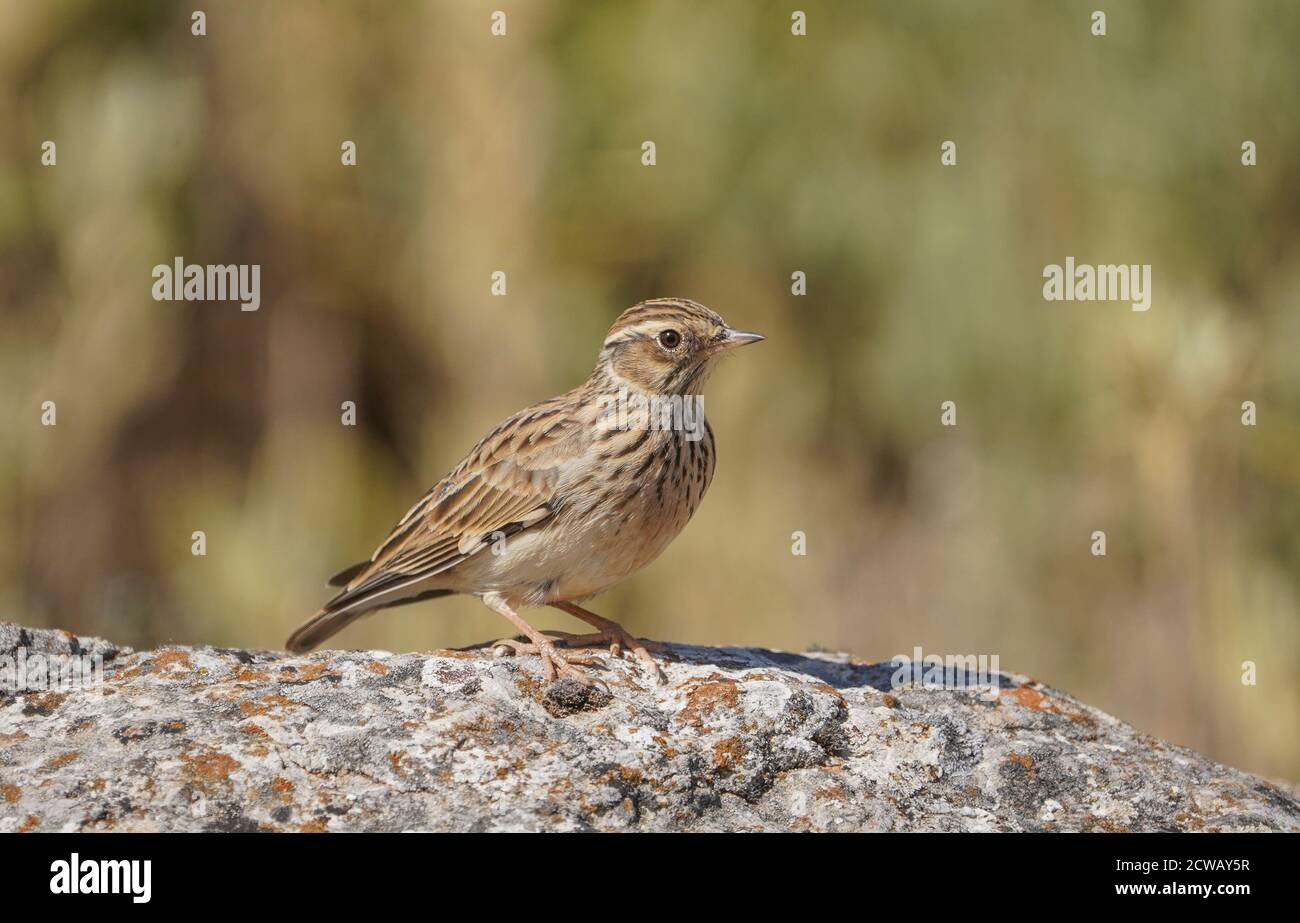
(282,787)
(828,689)
(1092,823)
(163,661)
(263,705)
(1024,760)
(481,654)
(44,702)
(210,766)
(308,674)
(662,742)
(1029,697)
(728,754)
(62,760)
(709,696)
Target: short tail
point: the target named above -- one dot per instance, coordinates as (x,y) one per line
(333,618)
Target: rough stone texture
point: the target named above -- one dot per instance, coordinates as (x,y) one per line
(738,739)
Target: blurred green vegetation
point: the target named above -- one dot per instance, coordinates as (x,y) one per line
(775,154)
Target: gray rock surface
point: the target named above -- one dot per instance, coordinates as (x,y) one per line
(185,738)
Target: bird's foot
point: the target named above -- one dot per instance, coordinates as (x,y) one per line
(555,662)
(566,646)
(619,642)
(616,636)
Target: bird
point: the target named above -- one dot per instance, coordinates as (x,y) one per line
(562,500)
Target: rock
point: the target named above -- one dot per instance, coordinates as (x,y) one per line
(183,738)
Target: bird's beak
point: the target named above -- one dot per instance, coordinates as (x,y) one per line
(733,338)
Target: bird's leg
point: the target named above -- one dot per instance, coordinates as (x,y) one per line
(553,662)
(615,635)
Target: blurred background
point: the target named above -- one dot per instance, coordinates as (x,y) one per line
(775,154)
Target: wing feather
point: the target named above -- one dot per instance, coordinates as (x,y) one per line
(506,484)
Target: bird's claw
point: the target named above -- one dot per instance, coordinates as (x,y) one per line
(560,654)
(620,643)
(555,662)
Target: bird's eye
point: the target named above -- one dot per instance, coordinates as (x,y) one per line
(669,339)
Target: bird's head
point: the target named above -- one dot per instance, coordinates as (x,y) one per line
(668,346)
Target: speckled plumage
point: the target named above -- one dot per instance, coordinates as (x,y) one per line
(558,502)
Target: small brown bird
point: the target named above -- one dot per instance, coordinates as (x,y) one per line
(564,499)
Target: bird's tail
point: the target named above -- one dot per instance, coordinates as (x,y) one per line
(334,617)
(322,625)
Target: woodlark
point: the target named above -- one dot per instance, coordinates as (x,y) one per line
(564,499)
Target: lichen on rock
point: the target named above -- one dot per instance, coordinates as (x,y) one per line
(182,738)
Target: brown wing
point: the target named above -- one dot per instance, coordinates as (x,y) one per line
(506,484)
